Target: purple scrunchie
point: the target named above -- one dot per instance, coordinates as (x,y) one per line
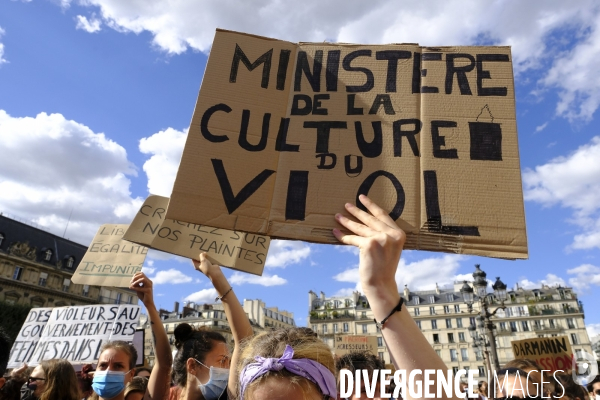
(304,367)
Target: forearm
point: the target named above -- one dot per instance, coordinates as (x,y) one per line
(158,382)
(161,340)
(408,347)
(236,316)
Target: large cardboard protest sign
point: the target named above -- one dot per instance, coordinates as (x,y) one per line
(110,260)
(72,333)
(242,251)
(552,353)
(284,134)
(345,344)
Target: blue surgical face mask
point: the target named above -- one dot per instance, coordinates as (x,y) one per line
(108,384)
(217,382)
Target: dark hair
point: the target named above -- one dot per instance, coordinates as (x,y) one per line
(4,351)
(191,343)
(590,386)
(480,384)
(12,387)
(125,347)
(85,380)
(572,389)
(359,360)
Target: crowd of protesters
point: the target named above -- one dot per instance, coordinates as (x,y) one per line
(285,364)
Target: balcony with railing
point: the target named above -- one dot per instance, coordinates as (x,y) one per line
(316,317)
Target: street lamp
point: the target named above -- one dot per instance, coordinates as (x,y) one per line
(487,337)
(480,344)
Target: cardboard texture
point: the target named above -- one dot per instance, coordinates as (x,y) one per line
(345,344)
(75,333)
(241,251)
(551,353)
(110,260)
(284,134)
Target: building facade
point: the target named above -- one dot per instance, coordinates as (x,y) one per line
(212,316)
(443,317)
(36,268)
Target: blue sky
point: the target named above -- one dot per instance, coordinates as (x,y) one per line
(96,97)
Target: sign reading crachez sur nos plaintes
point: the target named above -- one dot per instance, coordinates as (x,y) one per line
(284,134)
(242,251)
(74,333)
(110,260)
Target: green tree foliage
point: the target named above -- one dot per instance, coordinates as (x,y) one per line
(12,317)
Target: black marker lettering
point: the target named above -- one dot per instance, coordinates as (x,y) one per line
(265,59)
(232,202)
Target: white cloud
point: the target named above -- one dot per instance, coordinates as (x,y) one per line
(347,249)
(344,292)
(550,280)
(540,128)
(52,166)
(416,275)
(573,72)
(239,278)
(148,269)
(593,330)
(2,59)
(536,31)
(283,253)
(203,296)
(585,276)
(571,182)
(165,148)
(172,276)
(91,26)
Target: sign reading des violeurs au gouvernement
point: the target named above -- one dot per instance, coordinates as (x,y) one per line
(283,134)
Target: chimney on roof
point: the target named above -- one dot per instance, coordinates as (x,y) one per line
(437,289)
(176,307)
(406,293)
(322,296)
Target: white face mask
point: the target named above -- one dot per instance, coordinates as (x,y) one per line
(217,382)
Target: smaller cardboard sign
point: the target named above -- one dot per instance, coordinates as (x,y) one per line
(241,251)
(345,344)
(110,260)
(75,333)
(552,353)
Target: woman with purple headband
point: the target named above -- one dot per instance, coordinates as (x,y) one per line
(293,364)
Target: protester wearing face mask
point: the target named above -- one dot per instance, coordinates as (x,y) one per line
(115,369)
(35,384)
(201,367)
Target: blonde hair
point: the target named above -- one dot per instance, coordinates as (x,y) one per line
(61,381)
(272,344)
